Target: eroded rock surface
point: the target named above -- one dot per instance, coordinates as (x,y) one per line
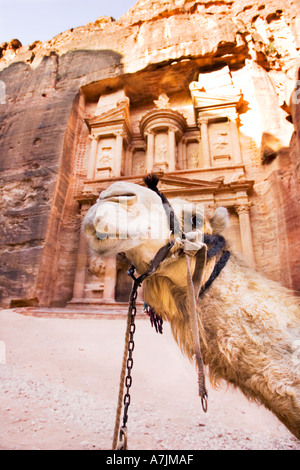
(157,47)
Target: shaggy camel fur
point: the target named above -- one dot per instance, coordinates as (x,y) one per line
(248,325)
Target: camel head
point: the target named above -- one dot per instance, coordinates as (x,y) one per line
(130,218)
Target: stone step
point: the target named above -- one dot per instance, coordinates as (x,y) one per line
(107,311)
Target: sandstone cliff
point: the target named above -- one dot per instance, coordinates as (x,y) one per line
(158,46)
(158,31)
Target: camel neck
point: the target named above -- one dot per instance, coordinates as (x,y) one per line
(217,244)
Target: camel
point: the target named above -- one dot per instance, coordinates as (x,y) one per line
(249,326)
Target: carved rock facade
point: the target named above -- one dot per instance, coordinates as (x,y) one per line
(211,113)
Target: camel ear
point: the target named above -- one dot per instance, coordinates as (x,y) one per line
(220,221)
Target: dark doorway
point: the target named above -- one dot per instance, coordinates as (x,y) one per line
(124,282)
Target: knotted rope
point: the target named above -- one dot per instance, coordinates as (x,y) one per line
(192,307)
(122,382)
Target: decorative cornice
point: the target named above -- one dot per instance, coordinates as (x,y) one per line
(119,115)
(174,185)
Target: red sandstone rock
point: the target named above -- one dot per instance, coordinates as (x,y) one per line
(157,47)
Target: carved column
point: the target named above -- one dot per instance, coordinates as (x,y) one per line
(180,165)
(110,279)
(118,154)
(92,157)
(184,158)
(245,229)
(150,151)
(82,255)
(203,124)
(172,149)
(236,148)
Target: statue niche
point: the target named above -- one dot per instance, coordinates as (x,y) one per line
(104,165)
(193,154)
(95,278)
(162,128)
(138,162)
(220,142)
(161,150)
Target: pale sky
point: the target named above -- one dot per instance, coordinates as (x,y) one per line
(32,20)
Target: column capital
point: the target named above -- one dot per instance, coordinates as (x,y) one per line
(93,137)
(202,120)
(243,208)
(245,231)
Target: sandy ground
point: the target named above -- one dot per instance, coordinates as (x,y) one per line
(59,386)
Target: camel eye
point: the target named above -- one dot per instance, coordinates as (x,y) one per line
(197,221)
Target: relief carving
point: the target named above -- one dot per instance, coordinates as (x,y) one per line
(162,153)
(138,162)
(96,266)
(193,155)
(222,141)
(106,157)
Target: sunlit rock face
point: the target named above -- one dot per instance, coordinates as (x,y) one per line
(201,92)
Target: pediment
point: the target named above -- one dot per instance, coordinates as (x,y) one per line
(118,114)
(203,100)
(215,89)
(177,185)
(181,182)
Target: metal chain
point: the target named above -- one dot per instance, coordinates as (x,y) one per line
(129,364)
(122,445)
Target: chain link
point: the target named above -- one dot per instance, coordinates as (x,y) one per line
(129,364)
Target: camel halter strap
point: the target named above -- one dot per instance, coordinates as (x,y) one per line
(191,248)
